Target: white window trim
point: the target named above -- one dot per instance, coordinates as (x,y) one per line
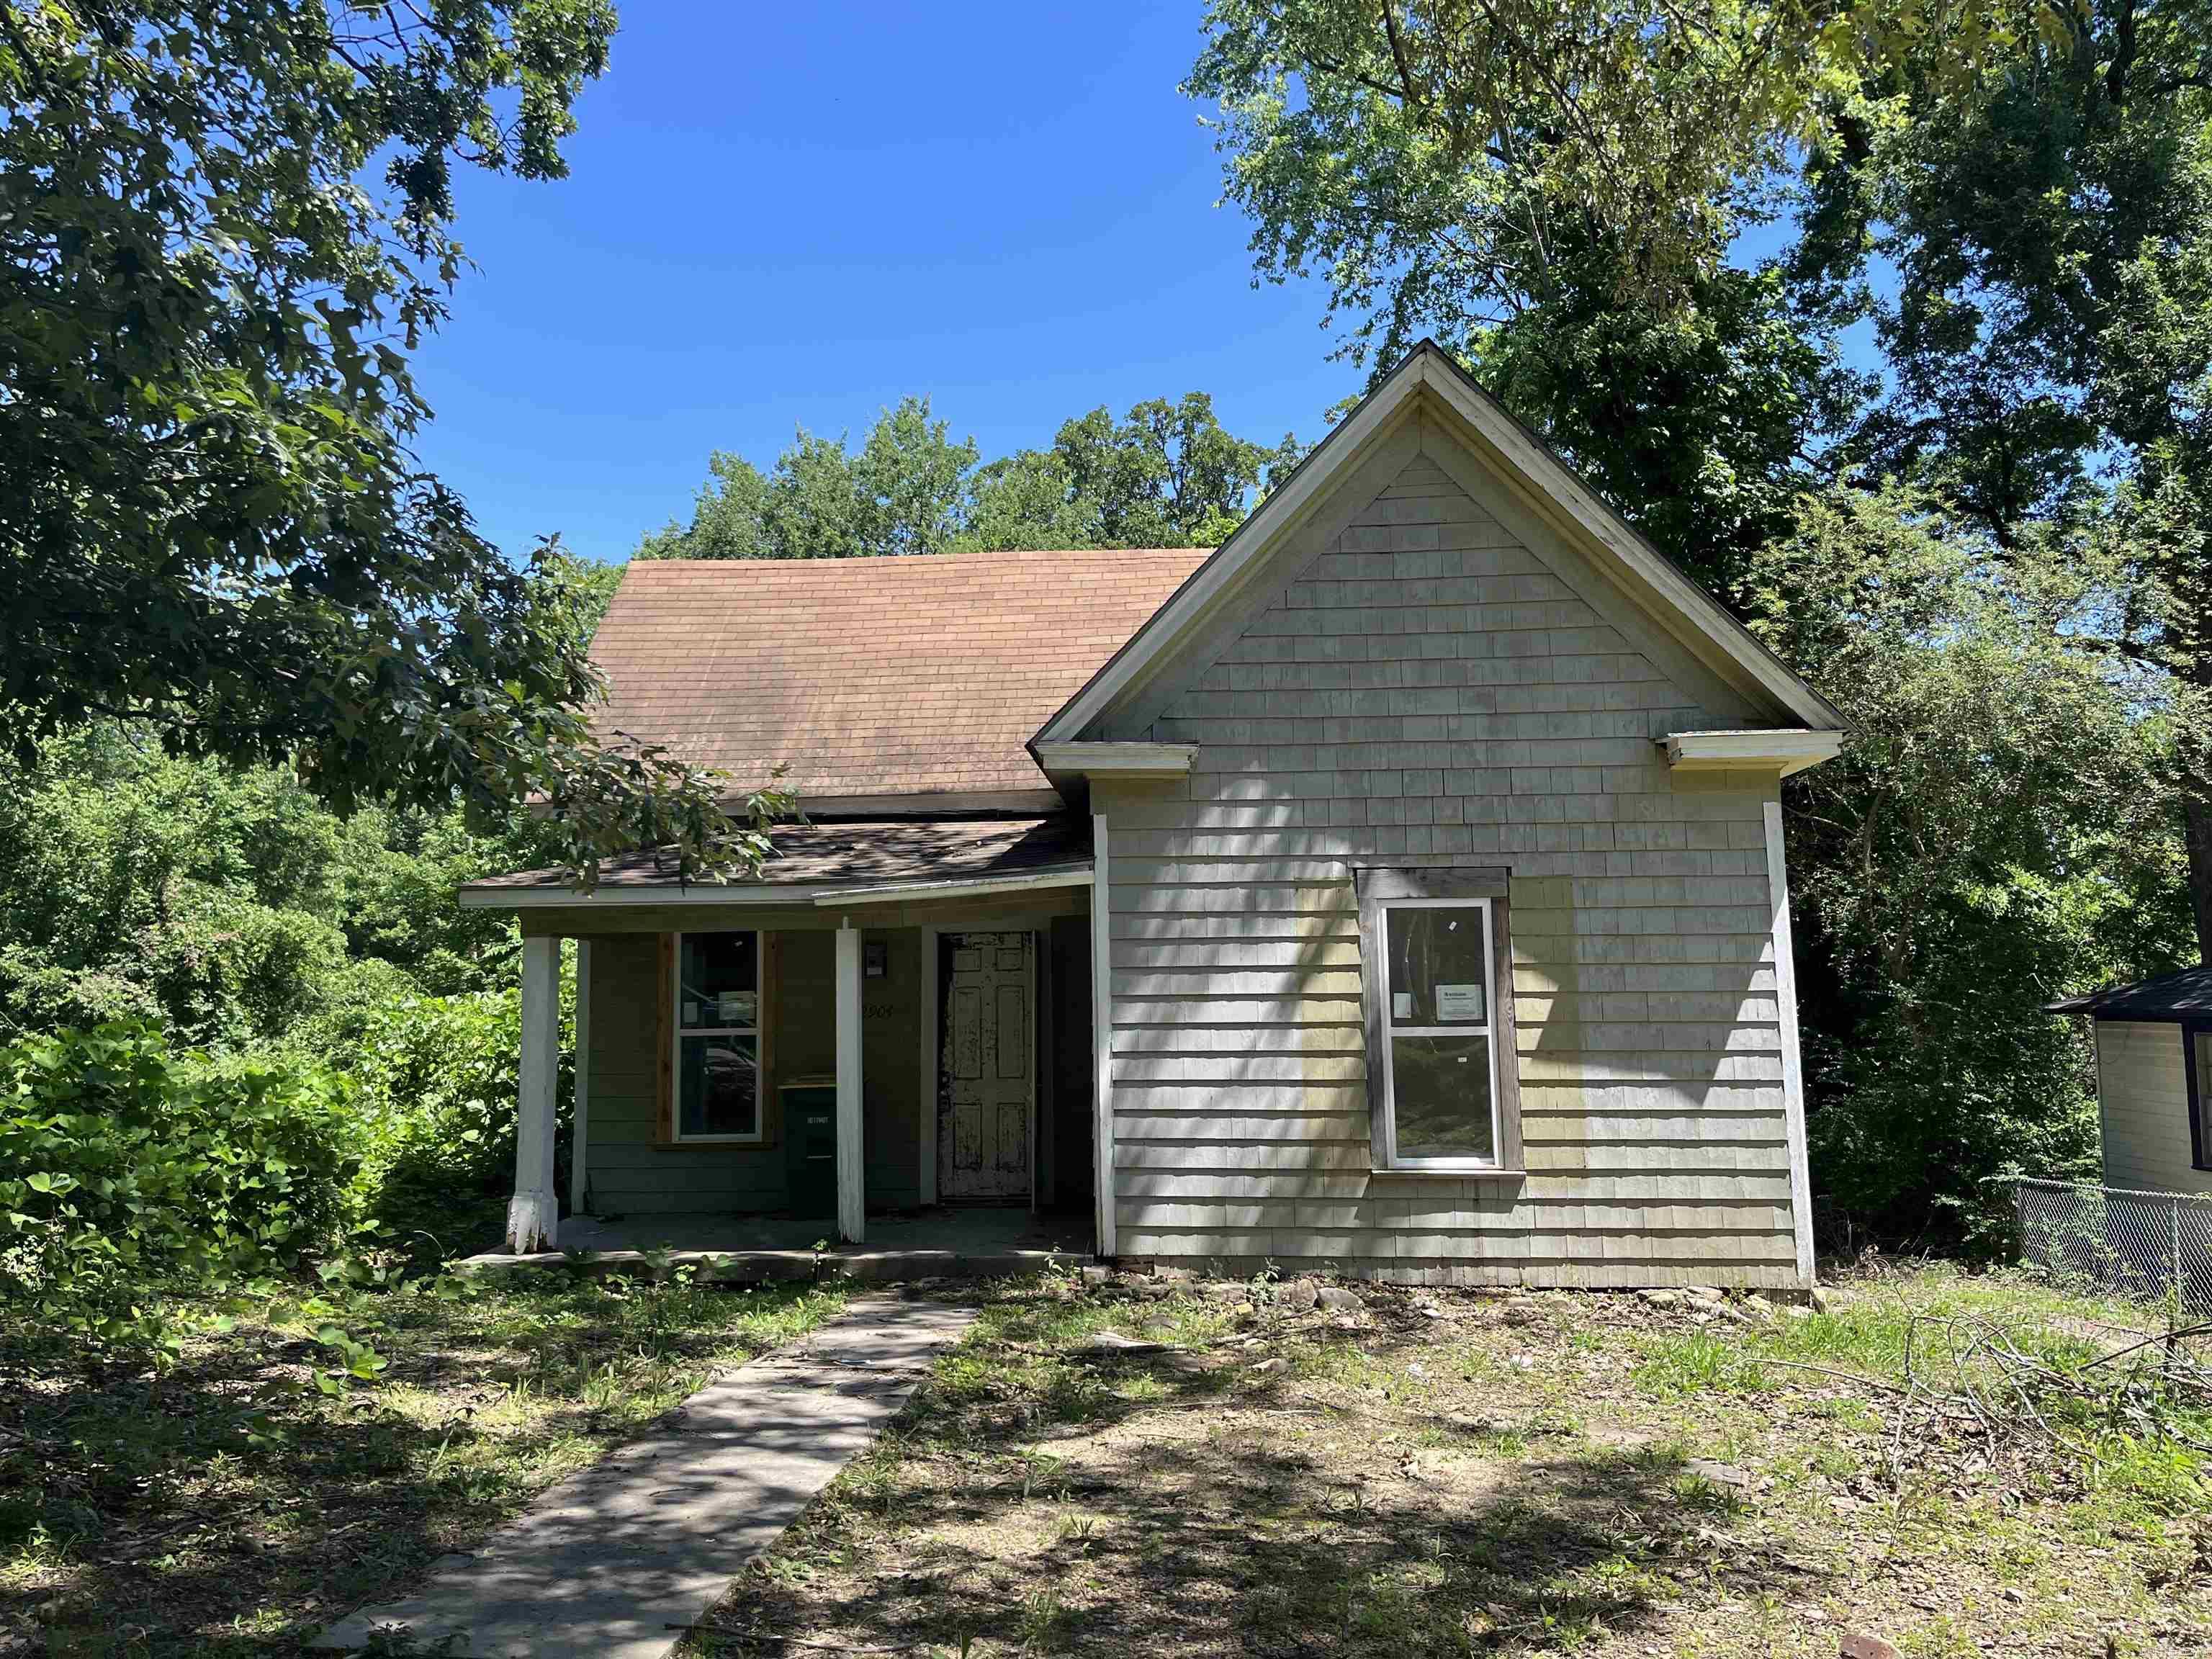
(676,1052)
(1487,1030)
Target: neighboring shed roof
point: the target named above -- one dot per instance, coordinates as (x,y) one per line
(869,677)
(848,853)
(2185,995)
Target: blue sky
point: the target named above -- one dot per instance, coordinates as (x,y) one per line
(780,216)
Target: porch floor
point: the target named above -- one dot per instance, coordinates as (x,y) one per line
(943,1242)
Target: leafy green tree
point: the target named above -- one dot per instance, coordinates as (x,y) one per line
(906,490)
(1166,474)
(1436,162)
(1551,191)
(2049,325)
(229,904)
(222,227)
(1998,832)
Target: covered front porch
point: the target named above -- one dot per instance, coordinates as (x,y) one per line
(885,1045)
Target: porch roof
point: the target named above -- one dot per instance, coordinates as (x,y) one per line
(840,860)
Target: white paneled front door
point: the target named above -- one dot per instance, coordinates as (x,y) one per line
(987,1088)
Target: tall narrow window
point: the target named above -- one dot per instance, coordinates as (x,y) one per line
(1441,1076)
(717,1036)
(1440,1089)
(1440,1059)
(2199,1041)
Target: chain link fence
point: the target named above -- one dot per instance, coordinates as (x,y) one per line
(2139,1245)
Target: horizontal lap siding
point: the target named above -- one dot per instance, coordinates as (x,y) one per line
(1428,688)
(629,1173)
(2142,1091)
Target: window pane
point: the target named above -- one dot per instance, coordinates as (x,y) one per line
(717,1088)
(718,983)
(1437,975)
(1440,1087)
(2204,1057)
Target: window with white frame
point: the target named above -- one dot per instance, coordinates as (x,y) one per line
(717,1036)
(1440,1059)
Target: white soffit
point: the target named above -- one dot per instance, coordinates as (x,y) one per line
(1119,760)
(1789,750)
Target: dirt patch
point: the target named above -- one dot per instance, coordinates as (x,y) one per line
(1446,1474)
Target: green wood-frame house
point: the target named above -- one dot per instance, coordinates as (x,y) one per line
(1398,889)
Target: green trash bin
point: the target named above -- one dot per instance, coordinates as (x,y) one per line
(810,1140)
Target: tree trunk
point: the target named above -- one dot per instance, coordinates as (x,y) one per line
(2196,838)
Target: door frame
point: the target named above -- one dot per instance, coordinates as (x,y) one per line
(931,1070)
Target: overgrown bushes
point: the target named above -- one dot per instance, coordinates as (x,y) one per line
(127,1173)
(131,1172)
(439,1087)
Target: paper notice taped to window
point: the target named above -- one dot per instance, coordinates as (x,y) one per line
(1458,1003)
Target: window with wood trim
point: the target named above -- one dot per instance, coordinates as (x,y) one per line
(1442,1075)
(716,1032)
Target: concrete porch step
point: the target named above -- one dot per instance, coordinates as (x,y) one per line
(765,1267)
(942,1242)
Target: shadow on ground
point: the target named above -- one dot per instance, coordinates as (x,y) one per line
(1165,1504)
(223,1505)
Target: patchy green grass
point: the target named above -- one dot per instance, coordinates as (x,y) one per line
(235,1500)
(1461,1475)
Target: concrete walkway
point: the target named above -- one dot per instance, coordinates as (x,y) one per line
(650,1536)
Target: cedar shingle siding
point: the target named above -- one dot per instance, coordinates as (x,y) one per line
(1429,687)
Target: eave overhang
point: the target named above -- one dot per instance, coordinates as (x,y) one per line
(1785,751)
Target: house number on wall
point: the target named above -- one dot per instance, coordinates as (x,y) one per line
(876,1010)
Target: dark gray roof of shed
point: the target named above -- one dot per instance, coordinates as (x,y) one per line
(2186,996)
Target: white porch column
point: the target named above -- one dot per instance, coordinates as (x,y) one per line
(533,1214)
(580,1136)
(1101,1034)
(852,1164)
(1793,1072)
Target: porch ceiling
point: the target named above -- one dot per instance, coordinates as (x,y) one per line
(846,860)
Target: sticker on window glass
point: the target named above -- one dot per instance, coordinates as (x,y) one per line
(1401,1005)
(1458,1003)
(690,1013)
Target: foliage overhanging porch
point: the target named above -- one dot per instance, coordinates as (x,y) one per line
(896,1014)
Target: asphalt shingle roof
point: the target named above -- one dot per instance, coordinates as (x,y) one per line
(867,851)
(871,677)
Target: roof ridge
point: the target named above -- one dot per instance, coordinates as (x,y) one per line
(878,560)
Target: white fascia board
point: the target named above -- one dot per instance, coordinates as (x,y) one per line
(1791,750)
(1119,760)
(1281,512)
(1522,451)
(892,892)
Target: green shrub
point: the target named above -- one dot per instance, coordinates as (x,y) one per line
(128,1173)
(440,1080)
